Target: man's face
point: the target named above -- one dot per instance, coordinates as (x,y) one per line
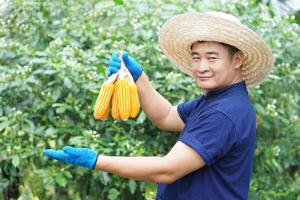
(213,66)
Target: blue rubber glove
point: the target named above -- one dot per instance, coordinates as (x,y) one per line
(133,67)
(83,157)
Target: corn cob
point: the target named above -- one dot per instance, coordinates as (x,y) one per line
(135,102)
(134,98)
(120,93)
(114,105)
(123,98)
(106,112)
(102,106)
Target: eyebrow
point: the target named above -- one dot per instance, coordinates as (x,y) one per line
(207,53)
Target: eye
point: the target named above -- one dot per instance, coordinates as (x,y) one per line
(195,58)
(212,58)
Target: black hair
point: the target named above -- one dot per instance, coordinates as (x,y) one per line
(231,49)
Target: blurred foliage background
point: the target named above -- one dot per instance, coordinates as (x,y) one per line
(53,56)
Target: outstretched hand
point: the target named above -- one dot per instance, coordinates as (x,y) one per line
(83,157)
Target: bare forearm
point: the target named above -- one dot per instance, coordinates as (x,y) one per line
(139,168)
(153,104)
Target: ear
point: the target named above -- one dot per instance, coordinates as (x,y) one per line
(238,59)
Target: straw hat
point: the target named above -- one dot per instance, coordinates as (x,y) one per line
(178,34)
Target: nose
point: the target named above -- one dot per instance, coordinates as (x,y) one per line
(202,66)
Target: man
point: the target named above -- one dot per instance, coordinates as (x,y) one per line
(212,158)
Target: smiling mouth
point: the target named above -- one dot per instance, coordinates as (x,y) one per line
(204,77)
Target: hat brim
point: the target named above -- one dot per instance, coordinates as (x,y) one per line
(178,34)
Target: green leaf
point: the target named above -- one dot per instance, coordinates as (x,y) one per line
(61,110)
(276,165)
(119,2)
(27,194)
(61,180)
(50,71)
(91,86)
(113,194)
(105,177)
(15,160)
(4,124)
(50,131)
(39,61)
(53,59)
(28,125)
(141,117)
(3,183)
(150,190)
(56,94)
(77,141)
(2,88)
(132,186)
(101,69)
(260,109)
(67,82)
(275,77)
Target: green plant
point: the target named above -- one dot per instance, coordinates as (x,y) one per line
(53,58)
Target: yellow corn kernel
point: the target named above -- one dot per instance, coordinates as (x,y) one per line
(102,105)
(123,98)
(135,102)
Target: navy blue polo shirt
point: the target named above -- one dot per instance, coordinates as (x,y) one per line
(220,126)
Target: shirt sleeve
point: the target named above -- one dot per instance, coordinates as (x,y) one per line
(211,136)
(184,109)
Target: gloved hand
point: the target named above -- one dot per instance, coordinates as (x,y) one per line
(83,157)
(115,63)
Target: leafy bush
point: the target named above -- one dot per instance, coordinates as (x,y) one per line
(53,60)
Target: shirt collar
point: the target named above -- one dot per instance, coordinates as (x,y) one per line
(226,89)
